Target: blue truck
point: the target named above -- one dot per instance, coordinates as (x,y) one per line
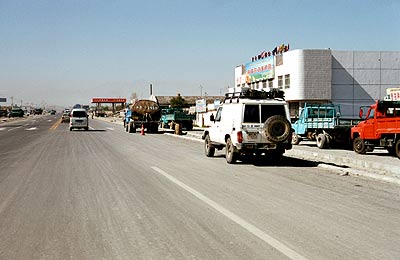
(172,116)
(323,124)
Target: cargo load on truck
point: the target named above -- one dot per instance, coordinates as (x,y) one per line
(323,124)
(144,113)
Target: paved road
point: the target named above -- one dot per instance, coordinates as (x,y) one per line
(106,194)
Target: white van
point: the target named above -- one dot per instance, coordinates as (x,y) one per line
(79,119)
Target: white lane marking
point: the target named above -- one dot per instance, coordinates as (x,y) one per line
(14,128)
(1,129)
(49,120)
(91,128)
(110,128)
(235,218)
(32,128)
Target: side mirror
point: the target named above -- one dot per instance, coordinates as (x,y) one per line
(360,113)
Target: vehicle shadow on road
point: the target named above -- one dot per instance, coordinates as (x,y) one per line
(285,162)
(90,130)
(265,162)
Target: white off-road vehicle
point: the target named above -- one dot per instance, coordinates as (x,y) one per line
(250,123)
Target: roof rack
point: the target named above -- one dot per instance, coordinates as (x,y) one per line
(255,94)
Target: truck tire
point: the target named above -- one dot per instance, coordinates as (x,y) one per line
(397,148)
(208,148)
(277,129)
(295,139)
(321,141)
(359,146)
(230,154)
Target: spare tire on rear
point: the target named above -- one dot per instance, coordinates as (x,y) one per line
(277,129)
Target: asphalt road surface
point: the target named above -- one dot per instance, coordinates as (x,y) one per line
(107,194)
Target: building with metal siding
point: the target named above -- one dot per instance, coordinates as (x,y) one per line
(348,78)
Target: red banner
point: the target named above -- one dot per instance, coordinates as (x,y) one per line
(108,100)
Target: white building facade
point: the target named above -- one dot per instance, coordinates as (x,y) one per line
(348,78)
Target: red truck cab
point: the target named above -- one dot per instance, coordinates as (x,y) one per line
(380,128)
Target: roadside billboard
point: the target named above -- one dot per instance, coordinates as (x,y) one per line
(108,100)
(3,99)
(201,106)
(262,69)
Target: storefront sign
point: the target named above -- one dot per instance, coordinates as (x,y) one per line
(108,100)
(260,70)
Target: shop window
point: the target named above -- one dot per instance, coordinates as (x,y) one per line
(264,84)
(287,81)
(270,83)
(280,82)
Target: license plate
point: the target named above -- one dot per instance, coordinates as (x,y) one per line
(252,135)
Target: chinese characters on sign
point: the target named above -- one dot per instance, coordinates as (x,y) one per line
(108,100)
(260,70)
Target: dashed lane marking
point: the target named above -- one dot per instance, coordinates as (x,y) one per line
(235,218)
(31,129)
(14,128)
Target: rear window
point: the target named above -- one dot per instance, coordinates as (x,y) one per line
(78,114)
(252,112)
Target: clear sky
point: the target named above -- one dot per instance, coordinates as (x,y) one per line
(66,52)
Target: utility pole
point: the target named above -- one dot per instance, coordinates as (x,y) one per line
(12,101)
(201,90)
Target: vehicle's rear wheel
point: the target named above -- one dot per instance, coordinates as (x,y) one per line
(295,139)
(321,141)
(359,146)
(208,148)
(397,148)
(230,154)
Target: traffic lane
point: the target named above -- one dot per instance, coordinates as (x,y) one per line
(16,135)
(353,216)
(119,177)
(356,202)
(306,206)
(83,195)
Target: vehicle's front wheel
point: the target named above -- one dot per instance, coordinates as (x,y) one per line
(208,148)
(70,129)
(321,141)
(397,148)
(230,154)
(359,146)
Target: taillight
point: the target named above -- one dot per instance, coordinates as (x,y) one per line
(240,137)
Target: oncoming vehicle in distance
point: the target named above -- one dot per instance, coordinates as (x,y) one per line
(250,124)
(65,117)
(79,119)
(16,112)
